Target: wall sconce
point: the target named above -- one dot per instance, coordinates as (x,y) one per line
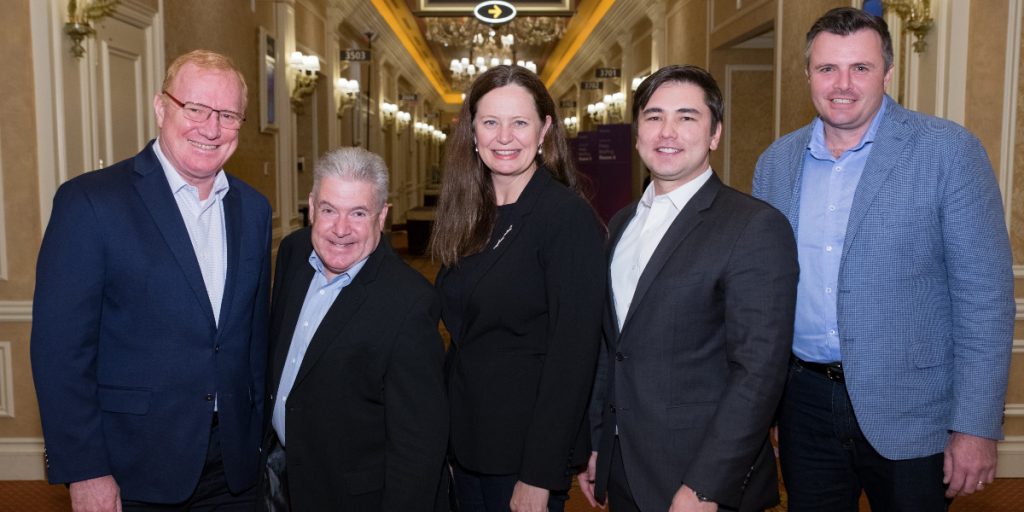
(439,136)
(80,14)
(636,82)
(389,111)
(615,104)
(596,111)
(572,125)
(306,68)
(402,119)
(421,130)
(348,92)
(916,16)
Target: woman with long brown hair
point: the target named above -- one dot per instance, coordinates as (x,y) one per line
(522,286)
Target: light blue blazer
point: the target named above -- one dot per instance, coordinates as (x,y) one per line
(925,302)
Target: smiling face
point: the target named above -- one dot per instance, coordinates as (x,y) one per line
(346,223)
(847,77)
(198,150)
(674,135)
(508,130)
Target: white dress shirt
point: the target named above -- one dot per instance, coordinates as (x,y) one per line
(654,214)
(204,221)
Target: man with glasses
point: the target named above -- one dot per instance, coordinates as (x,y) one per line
(149,330)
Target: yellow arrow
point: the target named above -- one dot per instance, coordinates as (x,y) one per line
(494,11)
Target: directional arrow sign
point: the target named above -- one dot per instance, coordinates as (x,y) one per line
(494,12)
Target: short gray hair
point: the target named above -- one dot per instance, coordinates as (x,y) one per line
(354,164)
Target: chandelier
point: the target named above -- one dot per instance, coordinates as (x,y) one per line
(482,42)
(528,30)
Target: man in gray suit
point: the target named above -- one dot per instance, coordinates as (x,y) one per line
(905,307)
(698,324)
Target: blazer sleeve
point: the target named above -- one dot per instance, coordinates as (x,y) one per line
(574,277)
(65,338)
(980,280)
(759,287)
(416,412)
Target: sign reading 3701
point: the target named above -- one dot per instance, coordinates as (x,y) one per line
(494,12)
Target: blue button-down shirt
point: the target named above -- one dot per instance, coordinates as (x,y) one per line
(320,296)
(826,194)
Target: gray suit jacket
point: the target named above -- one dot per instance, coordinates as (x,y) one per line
(693,378)
(925,302)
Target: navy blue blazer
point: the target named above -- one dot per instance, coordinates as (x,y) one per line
(126,356)
(925,300)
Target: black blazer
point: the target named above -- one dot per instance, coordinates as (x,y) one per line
(522,365)
(693,379)
(366,417)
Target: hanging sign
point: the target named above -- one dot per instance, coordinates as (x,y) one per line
(355,55)
(494,12)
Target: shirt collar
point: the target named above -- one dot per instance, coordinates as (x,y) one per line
(681,195)
(344,277)
(220,183)
(817,145)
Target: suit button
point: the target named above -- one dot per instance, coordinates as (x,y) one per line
(209,397)
(216,348)
(619,356)
(271,397)
(612,406)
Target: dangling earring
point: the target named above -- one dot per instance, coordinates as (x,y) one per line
(540,150)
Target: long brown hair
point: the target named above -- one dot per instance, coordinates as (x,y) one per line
(467,209)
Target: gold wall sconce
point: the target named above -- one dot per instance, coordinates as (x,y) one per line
(916,17)
(81,14)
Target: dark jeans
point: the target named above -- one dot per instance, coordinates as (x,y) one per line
(211,492)
(826,461)
(477,492)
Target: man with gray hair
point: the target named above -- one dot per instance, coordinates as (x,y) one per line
(355,409)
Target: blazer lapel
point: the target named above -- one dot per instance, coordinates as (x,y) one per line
(152,186)
(348,303)
(540,180)
(684,223)
(233,234)
(296,286)
(890,140)
(616,229)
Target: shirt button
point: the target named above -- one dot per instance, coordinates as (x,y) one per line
(828,248)
(305,324)
(832,332)
(828,290)
(322,292)
(838,168)
(831,207)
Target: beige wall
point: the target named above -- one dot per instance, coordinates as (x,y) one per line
(21,230)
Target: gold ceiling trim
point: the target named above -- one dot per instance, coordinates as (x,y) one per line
(416,45)
(576,34)
(523,8)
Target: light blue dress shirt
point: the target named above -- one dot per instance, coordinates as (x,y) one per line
(827,188)
(320,297)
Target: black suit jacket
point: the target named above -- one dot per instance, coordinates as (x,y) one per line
(693,379)
(366,418)
(522,365)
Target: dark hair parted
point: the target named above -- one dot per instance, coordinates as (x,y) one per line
(467,209)
(686,74)
(843,21)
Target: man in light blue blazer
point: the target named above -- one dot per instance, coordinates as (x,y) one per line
(149,332)
(905,304)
